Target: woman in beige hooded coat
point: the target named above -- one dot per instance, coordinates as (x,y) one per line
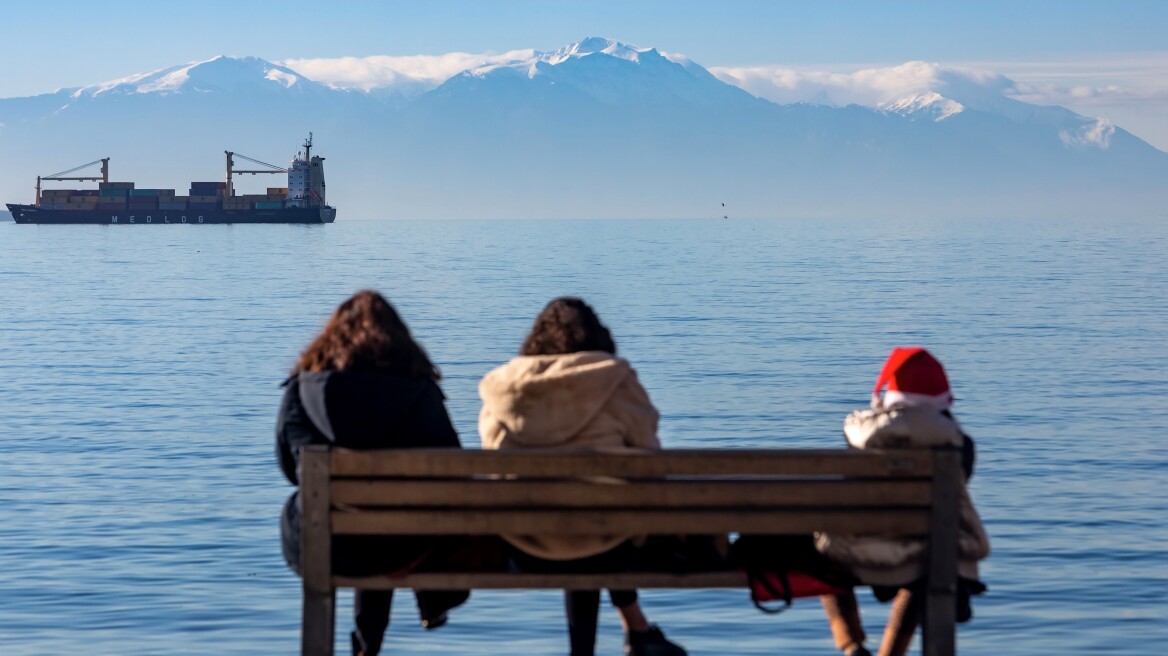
(568,389)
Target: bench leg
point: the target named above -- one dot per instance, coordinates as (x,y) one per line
(939,625)
(318,616)
(317,622)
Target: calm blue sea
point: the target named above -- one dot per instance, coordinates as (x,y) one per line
(140,370)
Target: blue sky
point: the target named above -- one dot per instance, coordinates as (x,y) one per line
(1115,53)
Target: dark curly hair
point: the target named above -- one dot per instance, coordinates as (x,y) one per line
(366,333)
(567,325)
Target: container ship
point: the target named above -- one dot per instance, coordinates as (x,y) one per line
(302,201)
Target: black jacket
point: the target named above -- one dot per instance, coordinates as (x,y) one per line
(358,410)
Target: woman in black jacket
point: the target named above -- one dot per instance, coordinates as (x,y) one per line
(364,383)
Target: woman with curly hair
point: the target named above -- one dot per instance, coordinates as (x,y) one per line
(364,383)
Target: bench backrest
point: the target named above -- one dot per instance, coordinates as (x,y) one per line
(403,492)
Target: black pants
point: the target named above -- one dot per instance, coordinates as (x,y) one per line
(369,556)
(371,612)
(582,607)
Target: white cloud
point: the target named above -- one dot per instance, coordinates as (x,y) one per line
(410,74)
(1097,133)
(287,79)
(1126,90)
(868,86)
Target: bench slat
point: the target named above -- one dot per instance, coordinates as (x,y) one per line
(430,463)
(645,494)
(531,581)
(607,521)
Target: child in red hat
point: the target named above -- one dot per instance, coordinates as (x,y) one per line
(912,413)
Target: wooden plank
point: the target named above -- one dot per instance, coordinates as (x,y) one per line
(529,581)
(318,610)
(611,493)
(939,624)
(629,522)
(430,463)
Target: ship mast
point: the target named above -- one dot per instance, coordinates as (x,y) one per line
(229,191)
(63,175)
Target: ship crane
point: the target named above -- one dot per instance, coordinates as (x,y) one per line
(64,175)
(231,170)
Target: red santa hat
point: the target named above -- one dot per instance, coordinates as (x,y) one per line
(914,377)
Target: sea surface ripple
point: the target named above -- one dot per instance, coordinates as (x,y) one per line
(140,371)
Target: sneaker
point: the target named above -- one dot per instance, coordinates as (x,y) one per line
(858,651)
(651,643)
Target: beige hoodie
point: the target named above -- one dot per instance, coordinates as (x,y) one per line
(586,400)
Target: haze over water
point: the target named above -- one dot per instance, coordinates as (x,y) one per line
(140,370)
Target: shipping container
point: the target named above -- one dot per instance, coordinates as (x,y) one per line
(196,198)
(115,185)
(172,206)
(277,191)
(113,193)
(268,205)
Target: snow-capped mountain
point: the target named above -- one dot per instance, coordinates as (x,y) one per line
(930,106)
(604,71)
(221,75)
(597,128)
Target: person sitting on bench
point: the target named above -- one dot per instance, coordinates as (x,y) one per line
(364,383)
(568,389)
(912,413)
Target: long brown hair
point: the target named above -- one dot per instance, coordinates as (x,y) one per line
(366,333)
(567,325)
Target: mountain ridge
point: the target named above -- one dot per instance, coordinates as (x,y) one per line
(648,134)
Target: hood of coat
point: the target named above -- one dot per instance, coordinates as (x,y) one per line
(545,400)
(356,409)
(902,427)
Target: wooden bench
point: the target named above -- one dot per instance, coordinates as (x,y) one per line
(675,491)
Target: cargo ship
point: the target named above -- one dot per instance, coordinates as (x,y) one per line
(120,203)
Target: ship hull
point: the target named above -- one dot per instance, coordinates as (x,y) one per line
(40,215)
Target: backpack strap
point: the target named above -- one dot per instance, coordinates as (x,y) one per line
(769,586)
